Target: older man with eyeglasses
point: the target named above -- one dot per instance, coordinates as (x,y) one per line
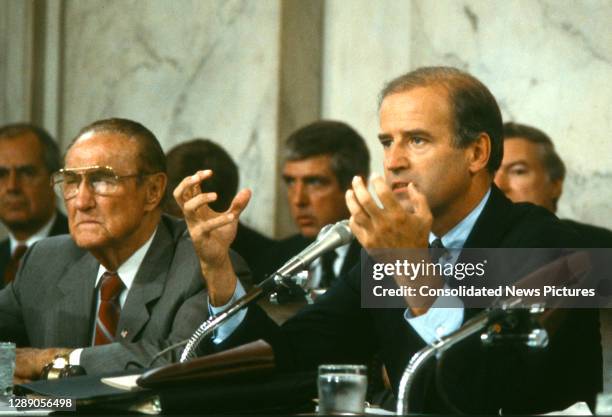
(126,283)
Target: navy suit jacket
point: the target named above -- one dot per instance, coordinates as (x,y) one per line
(335,329)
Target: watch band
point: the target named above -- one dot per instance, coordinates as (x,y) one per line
(60,367)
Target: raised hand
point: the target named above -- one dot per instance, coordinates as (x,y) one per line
(396,225)
(211,232)
(392,226)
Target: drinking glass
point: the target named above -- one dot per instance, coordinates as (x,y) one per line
(342,389)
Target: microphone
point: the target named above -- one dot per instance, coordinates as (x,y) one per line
(335,235)
(331,236)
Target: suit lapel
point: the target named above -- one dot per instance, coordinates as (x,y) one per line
(492,224)
(148,285)
(5,257)
(76,301)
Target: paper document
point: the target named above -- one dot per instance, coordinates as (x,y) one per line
(126,382)
(579,409)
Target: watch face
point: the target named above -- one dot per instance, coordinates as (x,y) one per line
(60,363)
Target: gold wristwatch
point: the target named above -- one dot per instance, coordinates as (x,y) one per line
(60,367)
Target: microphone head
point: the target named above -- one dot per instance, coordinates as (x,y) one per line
(344,231)
(324,230)
(340,232)
(329,238)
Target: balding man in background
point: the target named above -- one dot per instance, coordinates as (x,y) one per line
(28,157)
(532,171)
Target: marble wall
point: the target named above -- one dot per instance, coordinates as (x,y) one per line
(15,60)
(184,69)
(547,62)
(246,73)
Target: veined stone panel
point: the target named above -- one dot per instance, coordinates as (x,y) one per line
(548,63)
(366,43)
(15,60)
(184,69)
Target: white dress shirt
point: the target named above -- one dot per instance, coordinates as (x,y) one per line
(127,272)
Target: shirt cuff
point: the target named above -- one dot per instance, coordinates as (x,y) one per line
(227,328)
(75,357)
(437,322)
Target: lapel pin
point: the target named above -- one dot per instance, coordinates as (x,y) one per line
(124,333)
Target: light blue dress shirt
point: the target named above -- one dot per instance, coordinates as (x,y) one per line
(438,322)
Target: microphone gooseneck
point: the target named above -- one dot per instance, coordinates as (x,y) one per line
(331,236)
(335,235)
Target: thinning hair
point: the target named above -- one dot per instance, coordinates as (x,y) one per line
(552,162)
(50,151)
(474,108)
(347,149)
(151,156)
(197,154)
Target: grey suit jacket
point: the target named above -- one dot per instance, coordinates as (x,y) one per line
(52,300)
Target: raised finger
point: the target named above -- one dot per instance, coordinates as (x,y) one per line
(214,223)
(364,197)
(199,201)
(358,214)
(240,202)
(384,193)
(419,202)
(186,190)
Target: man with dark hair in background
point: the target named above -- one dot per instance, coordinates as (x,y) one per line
(532,171)
(126,283)
(200,154)
(441,131)
(320,160)
(28,157)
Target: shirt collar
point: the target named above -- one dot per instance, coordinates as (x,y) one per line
(456,237)
(42,233)
(127,270)
(342,250)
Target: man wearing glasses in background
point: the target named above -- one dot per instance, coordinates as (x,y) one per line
(125,284)
(28,156)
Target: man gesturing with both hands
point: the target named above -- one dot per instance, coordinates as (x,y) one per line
(441,131)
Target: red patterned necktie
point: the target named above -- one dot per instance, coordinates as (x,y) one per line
(110,309)
(13,264)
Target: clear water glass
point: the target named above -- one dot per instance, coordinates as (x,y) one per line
(7,368)
(342,389)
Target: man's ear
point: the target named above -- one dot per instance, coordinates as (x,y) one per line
(479,152)
(155,189)
(556,189)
